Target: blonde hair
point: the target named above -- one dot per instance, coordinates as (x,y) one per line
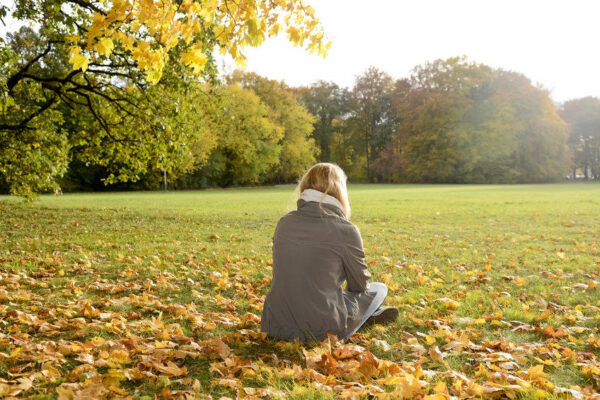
(327,178)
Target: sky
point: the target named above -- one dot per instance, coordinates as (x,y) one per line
(554,43)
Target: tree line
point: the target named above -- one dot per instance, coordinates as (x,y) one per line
(450,121)
(453,121)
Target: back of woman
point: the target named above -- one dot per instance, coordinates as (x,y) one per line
(306,297)
(315,250)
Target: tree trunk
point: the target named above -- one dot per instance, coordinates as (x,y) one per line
(587,158)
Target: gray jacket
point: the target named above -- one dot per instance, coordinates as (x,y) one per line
(316,249)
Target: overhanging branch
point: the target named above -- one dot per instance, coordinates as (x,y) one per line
(23,124)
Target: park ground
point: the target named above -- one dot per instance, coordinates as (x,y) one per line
(159,295)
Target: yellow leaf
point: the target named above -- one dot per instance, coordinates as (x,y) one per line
(537,372)
(541,394)
(391,380)
(64,392)
(195,58)
(430,340)
(119,356)
(440,388)
(543,316)
(421,279)
(79,61)
(520,281)
(153,76)
(105,46)
(475,389)
(437,396)
(449,303)
(97,340)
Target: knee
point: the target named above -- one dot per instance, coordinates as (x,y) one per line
(378,286)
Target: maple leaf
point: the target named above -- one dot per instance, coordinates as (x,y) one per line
(78,60)
(104,46)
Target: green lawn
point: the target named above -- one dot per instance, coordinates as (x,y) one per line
(144,294)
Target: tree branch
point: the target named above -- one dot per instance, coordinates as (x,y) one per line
(111,73)
(13,80)
(87,5)
(23,124)
(66,79)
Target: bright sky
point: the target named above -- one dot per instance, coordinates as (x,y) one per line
(554,43)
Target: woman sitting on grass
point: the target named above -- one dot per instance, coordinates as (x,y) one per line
(315,249)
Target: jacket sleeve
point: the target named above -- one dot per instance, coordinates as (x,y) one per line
(355,267)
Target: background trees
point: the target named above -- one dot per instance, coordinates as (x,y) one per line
(298,150)
(90,97)
(583,117)
(372,113)
(250,146)
(466,122)
(451,121)
(107,80)
(328,103)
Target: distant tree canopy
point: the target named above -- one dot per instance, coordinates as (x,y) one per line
(122,92)
(112,79)
(298,149)
(583,117)
(465,122)
(450,121)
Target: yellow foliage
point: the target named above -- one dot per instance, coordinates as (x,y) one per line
(77,59)
(150,29)
(104,47)
(195,58)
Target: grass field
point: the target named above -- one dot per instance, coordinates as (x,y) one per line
(154,294)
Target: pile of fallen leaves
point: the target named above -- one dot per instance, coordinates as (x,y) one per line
(84,349)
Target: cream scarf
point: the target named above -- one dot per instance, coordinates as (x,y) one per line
(315,195)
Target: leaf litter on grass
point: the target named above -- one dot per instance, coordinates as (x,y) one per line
(82,349)
(116,317)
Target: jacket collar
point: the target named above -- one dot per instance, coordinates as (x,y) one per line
(320,197)
(317,209)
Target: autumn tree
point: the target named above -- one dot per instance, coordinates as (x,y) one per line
(583,117)
(248,141)
(328,102)
(541,153)
(105,59)
(388,164)
(371,100)
(298,149)
(466,122)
